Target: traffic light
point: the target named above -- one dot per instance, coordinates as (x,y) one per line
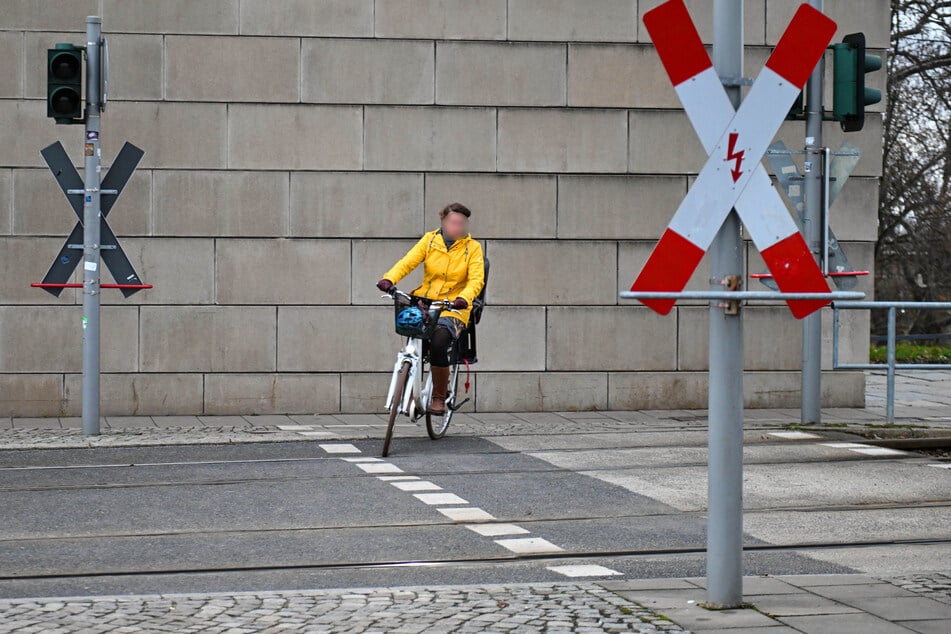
(849,95)
(64,83)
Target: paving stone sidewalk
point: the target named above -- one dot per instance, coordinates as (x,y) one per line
(516,608)
(934,586)
(817,604)
(809,604)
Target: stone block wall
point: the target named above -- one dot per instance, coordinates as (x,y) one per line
(296,148)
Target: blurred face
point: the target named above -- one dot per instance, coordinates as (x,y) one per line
(455,225)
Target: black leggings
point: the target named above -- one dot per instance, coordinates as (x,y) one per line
(439,345)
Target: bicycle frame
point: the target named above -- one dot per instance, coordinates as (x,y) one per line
(415,400)
(416,397)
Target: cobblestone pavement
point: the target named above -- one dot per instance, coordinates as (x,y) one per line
(585,607)
(514,608)
(58,438)
(935,586)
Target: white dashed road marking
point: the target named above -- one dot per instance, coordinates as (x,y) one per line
(528,545)
(793,435)
(879,451)
(397,478)
(434,499)
(862,448)
(379,467)
(496,530)
(340,448)
(941,466)
(584,570)
(307,430)
(416,485)
(467,514)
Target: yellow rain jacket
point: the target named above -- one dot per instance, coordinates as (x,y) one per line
(447,273)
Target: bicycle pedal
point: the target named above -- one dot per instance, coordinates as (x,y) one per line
(455,407)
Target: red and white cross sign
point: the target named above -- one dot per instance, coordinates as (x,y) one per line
(735,141)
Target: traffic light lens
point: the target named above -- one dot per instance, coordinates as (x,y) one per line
(65,67)
(65,101)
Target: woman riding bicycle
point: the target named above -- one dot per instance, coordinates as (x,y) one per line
(453,270)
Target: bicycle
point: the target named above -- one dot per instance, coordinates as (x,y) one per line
(408,395)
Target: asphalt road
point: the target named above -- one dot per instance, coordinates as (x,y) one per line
(463,510)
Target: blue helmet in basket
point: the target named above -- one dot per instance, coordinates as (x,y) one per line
(410,318)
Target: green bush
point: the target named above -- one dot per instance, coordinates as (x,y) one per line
(906,352)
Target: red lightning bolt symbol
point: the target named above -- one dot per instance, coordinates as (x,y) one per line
(733,155)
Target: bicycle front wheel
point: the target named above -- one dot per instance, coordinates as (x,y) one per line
(436,425)
(401,380)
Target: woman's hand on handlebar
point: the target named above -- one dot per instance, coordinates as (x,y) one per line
(384,285)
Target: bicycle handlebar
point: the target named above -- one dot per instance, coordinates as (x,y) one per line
(439,303)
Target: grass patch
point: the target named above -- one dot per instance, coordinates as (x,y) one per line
(895,426)
(716,608)
(907,352)
(820,426)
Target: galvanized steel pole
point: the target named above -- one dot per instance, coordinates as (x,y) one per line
(812,227)
(725,401)
(91,238)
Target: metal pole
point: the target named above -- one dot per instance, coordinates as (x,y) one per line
(826,174)
(835,337)
(890,377)
(813,232)
(725,401)
(91,215)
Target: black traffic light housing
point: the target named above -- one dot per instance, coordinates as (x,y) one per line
(850,96)
(64,84)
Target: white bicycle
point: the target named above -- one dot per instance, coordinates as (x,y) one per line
(409,394)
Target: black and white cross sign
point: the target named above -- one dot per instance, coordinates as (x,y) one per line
(72,185)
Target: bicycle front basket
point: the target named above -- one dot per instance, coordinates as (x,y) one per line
(412,321)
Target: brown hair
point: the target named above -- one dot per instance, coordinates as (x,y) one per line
(459,208)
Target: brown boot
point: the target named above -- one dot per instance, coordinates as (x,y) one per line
(437,404)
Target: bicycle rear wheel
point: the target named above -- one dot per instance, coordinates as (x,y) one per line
(437,425)
(401,380)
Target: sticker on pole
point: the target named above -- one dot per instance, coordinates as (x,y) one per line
(735,142)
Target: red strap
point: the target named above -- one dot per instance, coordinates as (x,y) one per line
(467,375)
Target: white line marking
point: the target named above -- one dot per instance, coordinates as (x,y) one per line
(793,435)
(396,478)
(379,467)
(844,445)
(466,514)
(339,448)
(348,425)
(584,571)
(322,434)
(416,485)
(361,459)
(439,498)
(495,530)
(296,427)
(878,451)
(941,466)
(528,545)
